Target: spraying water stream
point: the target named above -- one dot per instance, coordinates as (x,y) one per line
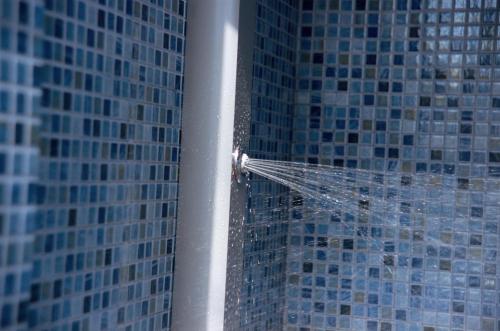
(394,199)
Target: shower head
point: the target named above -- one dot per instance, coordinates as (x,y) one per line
(243,163)
(240,161)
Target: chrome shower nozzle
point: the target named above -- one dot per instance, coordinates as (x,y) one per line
(239,161)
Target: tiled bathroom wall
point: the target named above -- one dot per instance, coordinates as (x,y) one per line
(266,227)
(403,88)
(19,102)
(409,87)
(109,75)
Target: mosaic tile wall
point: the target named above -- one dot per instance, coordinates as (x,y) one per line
(413,87)
(263,288)
(110,78)
(18,159)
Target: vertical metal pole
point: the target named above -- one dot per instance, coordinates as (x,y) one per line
(205,165)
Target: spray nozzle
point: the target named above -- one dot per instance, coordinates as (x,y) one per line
(240,161)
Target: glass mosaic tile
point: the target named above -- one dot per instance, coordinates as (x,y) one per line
(408,88)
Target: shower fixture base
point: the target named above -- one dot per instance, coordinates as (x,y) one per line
(239,162)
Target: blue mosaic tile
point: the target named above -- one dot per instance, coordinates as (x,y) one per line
(19,102)
(407,87)
(266,228)
(91,95)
